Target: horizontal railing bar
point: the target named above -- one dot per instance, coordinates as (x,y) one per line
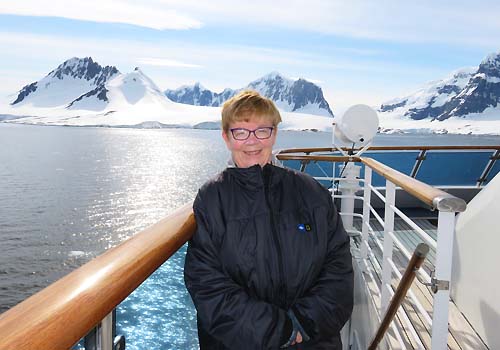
(377,192)
(377,242)
(348,196)
(353,232)
(389,148)
(424,235)
(61,314)
(325,158)
(355,215)
(379,219)
(324,178)
(400,245)
(431,196)
(345,179)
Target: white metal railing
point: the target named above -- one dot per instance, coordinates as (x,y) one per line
(387,269)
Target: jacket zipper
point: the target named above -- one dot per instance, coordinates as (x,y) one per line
(267,190)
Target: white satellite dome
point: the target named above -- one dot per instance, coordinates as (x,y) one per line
(358,125)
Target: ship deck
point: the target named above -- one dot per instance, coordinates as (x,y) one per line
(461,335)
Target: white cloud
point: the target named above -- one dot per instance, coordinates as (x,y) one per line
(145,14)
(163,62)
(447,21)
(456,22)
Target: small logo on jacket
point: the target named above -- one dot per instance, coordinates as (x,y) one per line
(304,227)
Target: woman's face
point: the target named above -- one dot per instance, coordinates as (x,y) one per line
(246,153)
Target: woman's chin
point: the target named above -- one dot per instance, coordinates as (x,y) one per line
(251,161)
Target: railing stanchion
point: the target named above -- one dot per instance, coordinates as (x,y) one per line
(366,215)
(349,188)
(444,254)
(107,332)
(390,197)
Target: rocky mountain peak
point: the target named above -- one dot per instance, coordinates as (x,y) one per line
(490,66)
(84,68)
(289,95)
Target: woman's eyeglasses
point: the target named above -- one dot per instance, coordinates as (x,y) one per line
(241,134)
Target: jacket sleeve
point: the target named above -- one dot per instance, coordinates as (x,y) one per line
(327,305)
(225,310)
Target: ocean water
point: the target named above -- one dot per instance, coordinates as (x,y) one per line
(67,194)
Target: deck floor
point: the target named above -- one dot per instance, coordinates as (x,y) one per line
(461,334)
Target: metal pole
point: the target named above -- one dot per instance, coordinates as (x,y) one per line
(418,163)
(348,187)
(107,332)
(414,264)
(444,254)
(390,198)
(366,215)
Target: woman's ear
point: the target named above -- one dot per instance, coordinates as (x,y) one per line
(225,137)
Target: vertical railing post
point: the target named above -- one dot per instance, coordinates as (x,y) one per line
(366,215)
(107,332)
(444,254)
(349,187)
(390,198)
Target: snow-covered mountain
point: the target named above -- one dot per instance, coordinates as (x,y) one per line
(466,101)
(289,95)
(82,93)
(68,82)
(428,101)
(123,91)
(198,95)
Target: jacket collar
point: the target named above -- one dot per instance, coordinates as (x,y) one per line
(274,161)
(255,177)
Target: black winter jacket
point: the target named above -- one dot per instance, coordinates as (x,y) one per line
(268,240)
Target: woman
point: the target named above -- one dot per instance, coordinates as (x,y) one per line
(269,266)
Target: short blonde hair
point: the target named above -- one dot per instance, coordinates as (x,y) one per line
(247,105)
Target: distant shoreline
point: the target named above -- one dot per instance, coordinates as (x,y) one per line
(152,125)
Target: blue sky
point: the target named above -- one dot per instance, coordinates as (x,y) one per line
(357,51)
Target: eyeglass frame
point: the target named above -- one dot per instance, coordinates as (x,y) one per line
(253,132)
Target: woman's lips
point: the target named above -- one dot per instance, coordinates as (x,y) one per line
(252,153)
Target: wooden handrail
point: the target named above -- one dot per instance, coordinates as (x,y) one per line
(435,198)
(392,148)
(414,264)
(61,314)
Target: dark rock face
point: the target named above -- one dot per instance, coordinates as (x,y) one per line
(391,107)
(78,68)
(296,94)
(84,68)
(422,113)
(100,92)
(25,91)
(479,95)
(448,89)
(197,95)
(304,92)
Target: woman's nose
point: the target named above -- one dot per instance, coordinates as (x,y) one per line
(252,139)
